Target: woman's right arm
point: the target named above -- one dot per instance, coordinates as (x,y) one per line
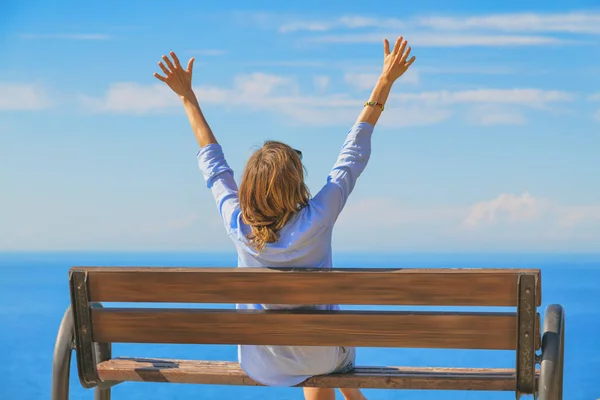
(356,150)
(217,173)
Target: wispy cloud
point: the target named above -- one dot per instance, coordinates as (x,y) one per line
(23,96)
(207,52)
(295,63)
(571,22)
(493,114)
(284,96)
(515,221)
(507,206)
(131,98)
(366,81)
(580,22)
(66,36)
(535,98)
(492,30)
(595,97)
(442,39)
(344,22)
(321,82)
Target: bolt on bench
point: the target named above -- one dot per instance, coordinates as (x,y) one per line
(90,328)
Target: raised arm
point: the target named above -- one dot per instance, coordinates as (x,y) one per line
(356,151)
(211,160)
(180,81)
(395,64)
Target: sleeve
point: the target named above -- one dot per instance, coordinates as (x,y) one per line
(351,162)
(219,179)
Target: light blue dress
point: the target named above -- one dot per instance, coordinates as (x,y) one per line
(305,241)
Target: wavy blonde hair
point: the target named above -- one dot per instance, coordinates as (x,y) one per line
(272,190)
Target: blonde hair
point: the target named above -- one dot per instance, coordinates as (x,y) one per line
(272,190)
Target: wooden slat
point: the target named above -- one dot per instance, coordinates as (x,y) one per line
(441,287)
(343,328)
(230,373)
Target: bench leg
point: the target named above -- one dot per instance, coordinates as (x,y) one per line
(103,351)
(61,363)
(553,345)
(102,393)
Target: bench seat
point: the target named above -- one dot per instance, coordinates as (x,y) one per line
(229,373)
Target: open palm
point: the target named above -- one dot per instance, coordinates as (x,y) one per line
(177,78)
(396,62)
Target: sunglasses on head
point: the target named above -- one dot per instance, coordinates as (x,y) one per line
(299,154)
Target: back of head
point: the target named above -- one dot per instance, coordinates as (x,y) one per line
(272,191)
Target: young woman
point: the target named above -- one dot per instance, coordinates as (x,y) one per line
(274,222)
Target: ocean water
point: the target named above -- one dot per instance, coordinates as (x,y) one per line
(34,295)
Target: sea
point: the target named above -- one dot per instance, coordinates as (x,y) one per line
(34,295)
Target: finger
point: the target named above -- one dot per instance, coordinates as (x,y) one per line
(169,63)
(164,69)
(190,65)
(409,62)
(397,45)
(175,59)
(386,48)
(405,55)
(160,77)
(402,47)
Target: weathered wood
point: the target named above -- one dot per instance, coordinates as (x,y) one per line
(325,328)
(230,373)
(388,286)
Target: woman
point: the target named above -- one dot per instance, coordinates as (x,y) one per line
(274,222)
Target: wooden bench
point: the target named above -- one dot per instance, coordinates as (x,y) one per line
(95,327)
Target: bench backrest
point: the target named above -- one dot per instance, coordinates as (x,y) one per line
(518,330)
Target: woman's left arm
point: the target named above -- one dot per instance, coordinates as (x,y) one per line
(180,81)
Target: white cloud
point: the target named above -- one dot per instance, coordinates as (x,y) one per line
(261,85)
(569,22)
(492,30)
(347,22)
(67,36)
(594,97)
(23,96)
(535,98)
(501,118)
(311,26)
(596,115)
(470,70)
(366,66)
(321,82)
(296,63)
(572,22)
(442,39)
(417,115)
(507,206)
(282,95)
(571,216)
(508,222)
(208,52)
(133,98)
(361,81)
(366,81)
(494,114)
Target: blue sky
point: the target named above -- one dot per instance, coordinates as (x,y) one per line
(490,143)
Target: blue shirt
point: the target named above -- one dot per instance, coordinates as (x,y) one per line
(305,241)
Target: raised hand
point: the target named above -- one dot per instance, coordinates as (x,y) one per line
(395,63)
(177,78)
